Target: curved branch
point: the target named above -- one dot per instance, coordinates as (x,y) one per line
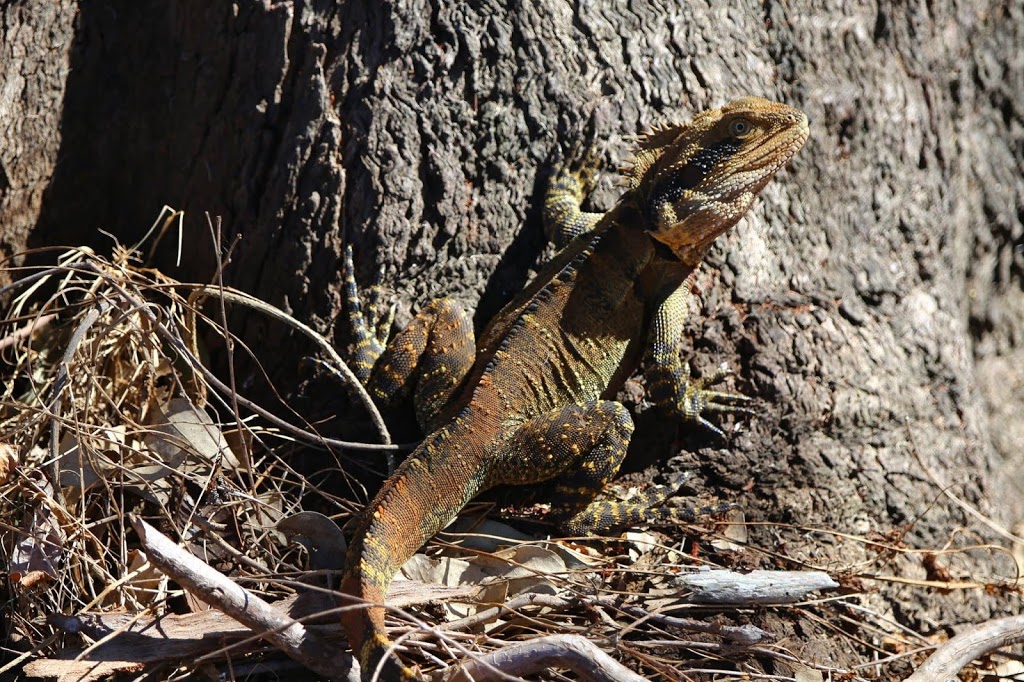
(340,367)
(951,657)
(576,653)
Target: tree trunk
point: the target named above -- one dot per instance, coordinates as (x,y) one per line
(872,299)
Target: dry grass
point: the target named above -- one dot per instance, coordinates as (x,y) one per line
(104,393)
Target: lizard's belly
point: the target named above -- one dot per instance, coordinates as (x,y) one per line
(542,366)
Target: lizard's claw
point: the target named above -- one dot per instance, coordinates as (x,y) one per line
(698,399)
(370,329)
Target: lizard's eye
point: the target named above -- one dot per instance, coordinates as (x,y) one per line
(740,127)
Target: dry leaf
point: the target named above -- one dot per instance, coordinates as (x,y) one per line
(32,579)
(804,674)
(41,544)
(184,433)
(320,536)
(443,571)
(641,543)
(147,585)
(734,534)
(484,535)
(77,469)
(529,561)
(241,443)
(451,572)
(8,461)
(79,671)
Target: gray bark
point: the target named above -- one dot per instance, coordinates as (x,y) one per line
(35,39)
(872,300)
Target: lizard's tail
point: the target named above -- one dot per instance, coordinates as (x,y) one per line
(364,625)
(364,620)
(410,508)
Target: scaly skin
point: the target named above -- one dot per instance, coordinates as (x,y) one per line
(529,403)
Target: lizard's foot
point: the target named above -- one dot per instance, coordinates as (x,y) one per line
(370,327)
(697,399)
(651,506)
(572,180)
(663,510)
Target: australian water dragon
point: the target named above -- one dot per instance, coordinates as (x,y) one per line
(531,401)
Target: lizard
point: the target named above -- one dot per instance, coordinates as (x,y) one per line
(530,402)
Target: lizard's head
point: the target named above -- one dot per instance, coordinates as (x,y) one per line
(695,181)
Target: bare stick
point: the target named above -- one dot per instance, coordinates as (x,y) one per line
(576,653)
(77,337)
(756,587)
(17,335)
(947,661)
(514,604)
(286,634)
(339,366)
(744,635)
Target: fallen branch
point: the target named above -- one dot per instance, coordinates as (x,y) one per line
(17,335)
(743,635)
(576,653)
(947,661)
(207,584)
(756,587)
(513,605)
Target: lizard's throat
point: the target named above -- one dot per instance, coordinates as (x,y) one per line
(689,227)
(687,246)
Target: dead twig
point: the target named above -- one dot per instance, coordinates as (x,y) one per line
(58,386)
(745,635)
(183,350)
(339,365)
(951,657)
(512,605)
(574,652)
(286,634)
(19,334)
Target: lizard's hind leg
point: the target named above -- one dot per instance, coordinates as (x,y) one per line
(428,359)
(576,450)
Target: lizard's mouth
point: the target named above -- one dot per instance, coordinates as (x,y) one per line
(774,154)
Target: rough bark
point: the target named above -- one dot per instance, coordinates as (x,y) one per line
(35,38)
(872,299)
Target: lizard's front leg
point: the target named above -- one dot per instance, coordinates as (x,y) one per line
(427,360)
(668,378)
(571,181)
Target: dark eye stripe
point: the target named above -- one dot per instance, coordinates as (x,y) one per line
(691,175)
